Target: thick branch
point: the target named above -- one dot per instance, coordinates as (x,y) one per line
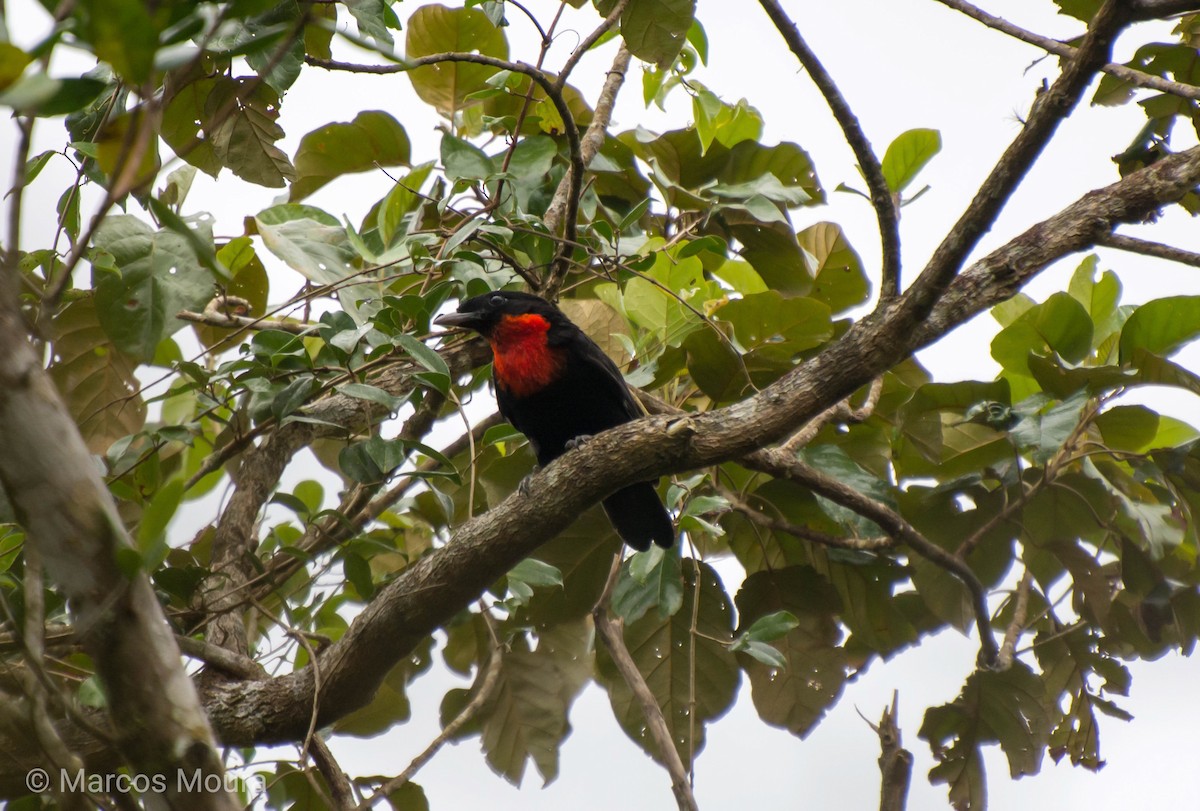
(1049,109)
(431,591)
(435,588)
(60,500)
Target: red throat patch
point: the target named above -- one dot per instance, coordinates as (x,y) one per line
(523,361)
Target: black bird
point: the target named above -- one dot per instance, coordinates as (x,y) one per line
(557,388)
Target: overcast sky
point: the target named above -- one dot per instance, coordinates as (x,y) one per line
(901,64)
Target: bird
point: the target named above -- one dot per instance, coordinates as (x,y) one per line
(558,388)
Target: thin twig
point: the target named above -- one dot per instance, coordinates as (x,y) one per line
(221,658)
(1148,248)
(564,206)
(1004,659)
(882,199)
(587,42)
(1062,49)
(804,533)
(842,410)
(609,631)
(487,688)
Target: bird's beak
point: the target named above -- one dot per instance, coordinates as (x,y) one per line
(464,320)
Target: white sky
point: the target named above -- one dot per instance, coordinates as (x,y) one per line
(901,64)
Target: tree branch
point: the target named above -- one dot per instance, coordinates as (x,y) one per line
(895,762)
(433,589)
(565,203)
(1062,49)
(609,630)
(1148,248)
(487,688)
(1049,109)
(882,199)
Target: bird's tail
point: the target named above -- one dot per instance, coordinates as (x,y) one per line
(639,517)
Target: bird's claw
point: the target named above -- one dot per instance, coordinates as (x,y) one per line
(523,488)
(577,441)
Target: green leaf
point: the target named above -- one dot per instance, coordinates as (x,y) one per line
(994,707)
(839,279)
(123,35)
(662,647)
(1130,428)
(151,533)
(436,29)
(371,140)
(1059,324)
(536,573)
(402,200)
(907,155)
(655,30)
(244,139)
(464,161)
(1161,326)
(527,719)
(12,64)
(159,276)
(796,608)
(439,376)
(96,381)
(374,18)
(39,95)
(372,394)
(390,705)
(650,579)
(771,627)
(358,573)
(311,242)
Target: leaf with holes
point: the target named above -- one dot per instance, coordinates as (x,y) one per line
(158,275)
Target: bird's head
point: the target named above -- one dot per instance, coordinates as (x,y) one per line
(492,312)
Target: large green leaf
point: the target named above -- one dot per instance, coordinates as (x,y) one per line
(158,274)
(655,30)
(796,696)
(1059,324)
(1161,326)
(310,242)
(390,705)
(994,707)
(662,649)
(527,717)
(371,140)
(94,378)
(124,35)
(243,133)
(838,276)
(436,29)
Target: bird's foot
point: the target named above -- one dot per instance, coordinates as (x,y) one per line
(577,441)
(523,488)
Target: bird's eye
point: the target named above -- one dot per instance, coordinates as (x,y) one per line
(497,300)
